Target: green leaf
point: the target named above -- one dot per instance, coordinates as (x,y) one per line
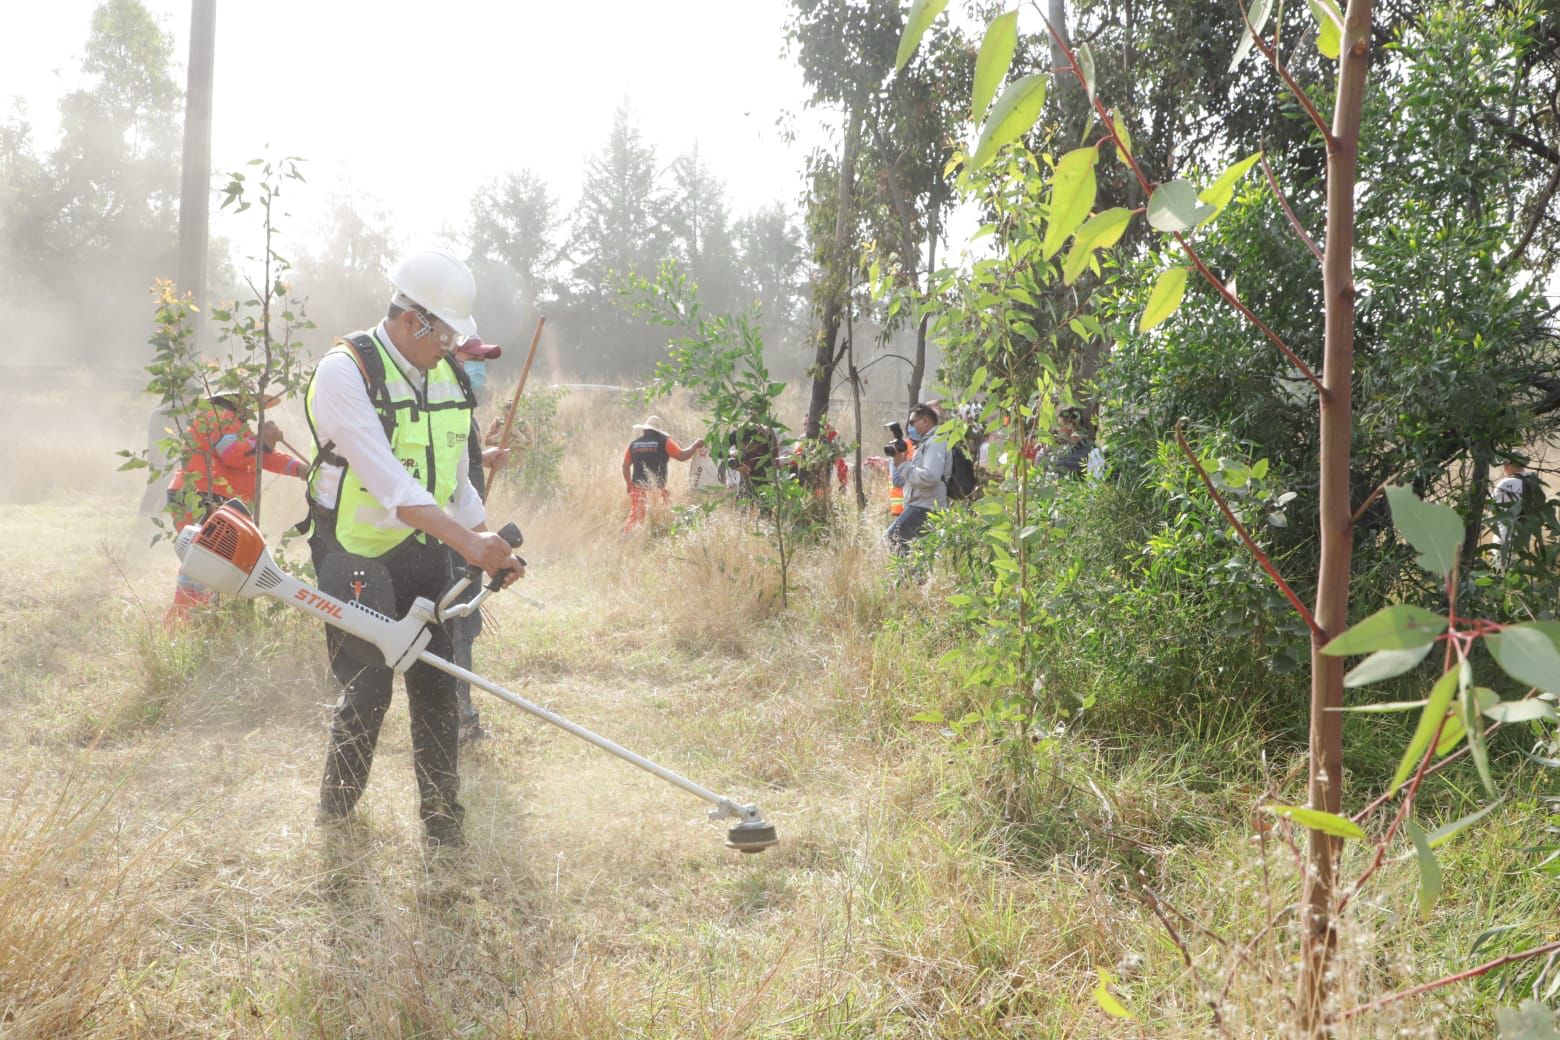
(1258,16)
(1530,710)
(1398,627)
(1528,654)
(1123,138)
(1174,207)
(1222,191)
(1435,530)
(996,55)
(936,718)
(1072,196)
(1386,707)
(1447,831)
(1107,1001)
(1010,118)
(1452,734)
(922,13)
(1164,298)
(1385,664)
(1469,706)
(1484,937)
(1532,1021)
(1329,27)
(1086,65)
(1435,710)
(1100,231)
(1429,869)
(1316,820)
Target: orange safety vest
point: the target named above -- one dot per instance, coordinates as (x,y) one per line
(896,494)
(230,472)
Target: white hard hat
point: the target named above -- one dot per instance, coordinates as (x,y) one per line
(440,284)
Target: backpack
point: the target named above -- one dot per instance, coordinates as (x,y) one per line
(962,484)
(1533,500)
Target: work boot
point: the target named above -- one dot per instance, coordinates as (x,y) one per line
(442,832)
(332,819)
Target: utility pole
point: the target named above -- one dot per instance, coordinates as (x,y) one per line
(194,203)
(195,189)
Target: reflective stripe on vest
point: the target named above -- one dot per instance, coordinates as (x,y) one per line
(428,438)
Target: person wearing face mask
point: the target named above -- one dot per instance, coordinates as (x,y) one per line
(391,489)
(473,356)
(924,477)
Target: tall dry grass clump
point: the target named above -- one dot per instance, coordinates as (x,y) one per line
(71,907)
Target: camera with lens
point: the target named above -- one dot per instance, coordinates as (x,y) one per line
(898,447)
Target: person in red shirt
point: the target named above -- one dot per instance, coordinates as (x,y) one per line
(645,465)
(221,465)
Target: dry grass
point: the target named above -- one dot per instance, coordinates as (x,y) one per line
(162,876)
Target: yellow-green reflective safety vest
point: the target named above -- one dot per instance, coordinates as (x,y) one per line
(427,433)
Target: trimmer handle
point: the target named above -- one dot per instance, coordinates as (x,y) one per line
(472,575)
(510,533)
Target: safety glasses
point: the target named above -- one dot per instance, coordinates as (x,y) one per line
(447,338)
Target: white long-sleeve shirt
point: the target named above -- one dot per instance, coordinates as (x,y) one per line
(345,418)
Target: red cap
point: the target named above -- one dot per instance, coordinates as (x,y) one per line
(477,350)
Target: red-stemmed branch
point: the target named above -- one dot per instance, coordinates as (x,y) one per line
(1248,313)
(1366,504)
(1125,153)
(1294,221)
(1151,899)
(1471,973)
(1256,551)
(1456,654)
(1387,796)
(1271,53)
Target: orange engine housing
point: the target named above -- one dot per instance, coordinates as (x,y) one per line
(231,535)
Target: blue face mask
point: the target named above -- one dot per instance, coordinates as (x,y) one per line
(476,372)
(913,434)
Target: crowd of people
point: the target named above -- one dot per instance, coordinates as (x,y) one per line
(397,492)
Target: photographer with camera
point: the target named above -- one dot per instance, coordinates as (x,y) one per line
(923,477)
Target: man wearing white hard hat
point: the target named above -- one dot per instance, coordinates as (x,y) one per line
(390,489)
(645,464)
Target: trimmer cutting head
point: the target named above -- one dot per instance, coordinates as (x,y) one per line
(751,836)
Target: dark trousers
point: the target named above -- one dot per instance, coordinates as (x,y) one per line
(415,569)
(907,527)
(463,633)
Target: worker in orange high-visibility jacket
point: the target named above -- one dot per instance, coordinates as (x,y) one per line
(222,464)
(645,465)
(896,493)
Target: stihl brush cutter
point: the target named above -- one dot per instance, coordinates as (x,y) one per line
(227,554)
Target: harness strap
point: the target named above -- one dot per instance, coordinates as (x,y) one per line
(365,354)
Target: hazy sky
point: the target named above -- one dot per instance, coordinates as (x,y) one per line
(413,105)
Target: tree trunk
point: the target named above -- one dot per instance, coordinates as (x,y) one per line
(195,180)
(855,397)
(194,211)
(918,370)
(1056,14)
(834,308)
(1318,931)
(1478,484)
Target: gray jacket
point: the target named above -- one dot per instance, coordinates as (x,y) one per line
(925,477)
